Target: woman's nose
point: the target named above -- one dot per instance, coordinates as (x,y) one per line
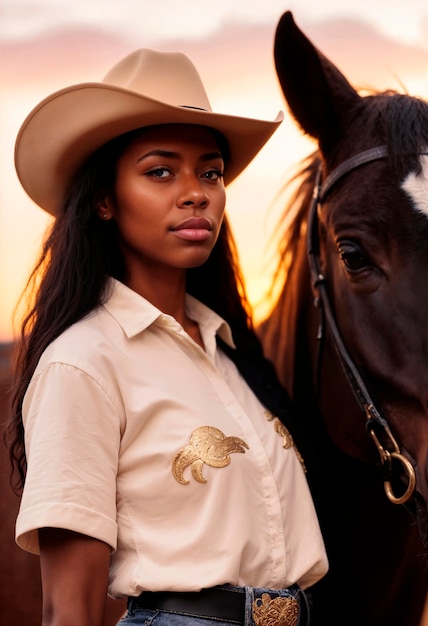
(192,193)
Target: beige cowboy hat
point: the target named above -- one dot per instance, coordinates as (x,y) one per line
(144,89)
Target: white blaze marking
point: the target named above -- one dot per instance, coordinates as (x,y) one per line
(417,187)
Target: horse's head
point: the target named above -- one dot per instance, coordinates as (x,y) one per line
(370,257)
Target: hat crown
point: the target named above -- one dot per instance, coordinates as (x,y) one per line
(169,77)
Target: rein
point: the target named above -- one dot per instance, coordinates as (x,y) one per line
(376,422)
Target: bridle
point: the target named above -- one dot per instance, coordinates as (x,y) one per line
(375,421)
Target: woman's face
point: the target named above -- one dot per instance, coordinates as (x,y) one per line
(169,199)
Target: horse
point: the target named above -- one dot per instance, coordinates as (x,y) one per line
(348,332)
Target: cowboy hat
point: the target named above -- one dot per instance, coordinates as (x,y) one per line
(144,89)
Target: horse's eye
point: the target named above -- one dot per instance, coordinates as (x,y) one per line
(353,256)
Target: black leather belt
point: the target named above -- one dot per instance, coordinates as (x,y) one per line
(228,604)
(224,604)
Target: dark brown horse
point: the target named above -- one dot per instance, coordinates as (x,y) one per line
(349,333)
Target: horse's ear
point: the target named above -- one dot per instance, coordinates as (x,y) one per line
(318,95)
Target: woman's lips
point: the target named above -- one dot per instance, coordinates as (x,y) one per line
(193,229)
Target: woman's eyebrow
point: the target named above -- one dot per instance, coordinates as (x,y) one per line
(209,156)
(158,152)
(168,154)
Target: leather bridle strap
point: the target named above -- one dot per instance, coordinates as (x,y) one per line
(374,154)
(375,420)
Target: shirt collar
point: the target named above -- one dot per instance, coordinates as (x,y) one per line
(134,313)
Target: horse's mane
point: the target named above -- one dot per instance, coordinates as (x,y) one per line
(294,217)
(400,121)
(279,331)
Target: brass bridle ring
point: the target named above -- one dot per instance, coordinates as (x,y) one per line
(409,470)
(386,457)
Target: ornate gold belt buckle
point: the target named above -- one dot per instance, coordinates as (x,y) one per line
(277,611)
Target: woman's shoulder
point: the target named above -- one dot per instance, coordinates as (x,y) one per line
(85,342)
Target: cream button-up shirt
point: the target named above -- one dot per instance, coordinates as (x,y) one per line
(138,437)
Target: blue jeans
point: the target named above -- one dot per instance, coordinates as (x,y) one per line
(260,610)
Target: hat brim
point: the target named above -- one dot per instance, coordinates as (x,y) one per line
(62,132)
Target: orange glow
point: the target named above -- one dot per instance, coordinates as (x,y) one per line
(241,81)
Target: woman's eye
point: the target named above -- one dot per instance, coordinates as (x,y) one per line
(214,174)
(353,256)
(159,172)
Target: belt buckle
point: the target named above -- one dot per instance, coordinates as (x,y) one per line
(279,611)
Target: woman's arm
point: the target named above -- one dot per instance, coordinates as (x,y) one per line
(74,571)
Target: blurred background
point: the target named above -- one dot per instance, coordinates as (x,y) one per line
(48,44)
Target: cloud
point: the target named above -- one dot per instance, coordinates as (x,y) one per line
(61,55)
(368,57)
(356,42)
(164,19)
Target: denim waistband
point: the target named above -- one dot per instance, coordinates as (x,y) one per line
(244,606)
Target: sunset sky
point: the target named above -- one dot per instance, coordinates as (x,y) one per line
(48,44)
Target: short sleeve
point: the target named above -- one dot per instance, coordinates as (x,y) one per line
(72,439)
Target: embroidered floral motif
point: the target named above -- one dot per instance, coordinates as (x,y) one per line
(275,612)
(207,445)
(287,439)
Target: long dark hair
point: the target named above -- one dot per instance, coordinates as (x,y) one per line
(80,252)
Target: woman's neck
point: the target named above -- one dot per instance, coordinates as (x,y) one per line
(169,296)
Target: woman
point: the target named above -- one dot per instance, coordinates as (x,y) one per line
(152,470)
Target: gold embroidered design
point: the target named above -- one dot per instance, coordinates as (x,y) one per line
(275,612)
(207,445)
(287,439)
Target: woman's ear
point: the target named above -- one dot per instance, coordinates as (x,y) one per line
(103,207)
